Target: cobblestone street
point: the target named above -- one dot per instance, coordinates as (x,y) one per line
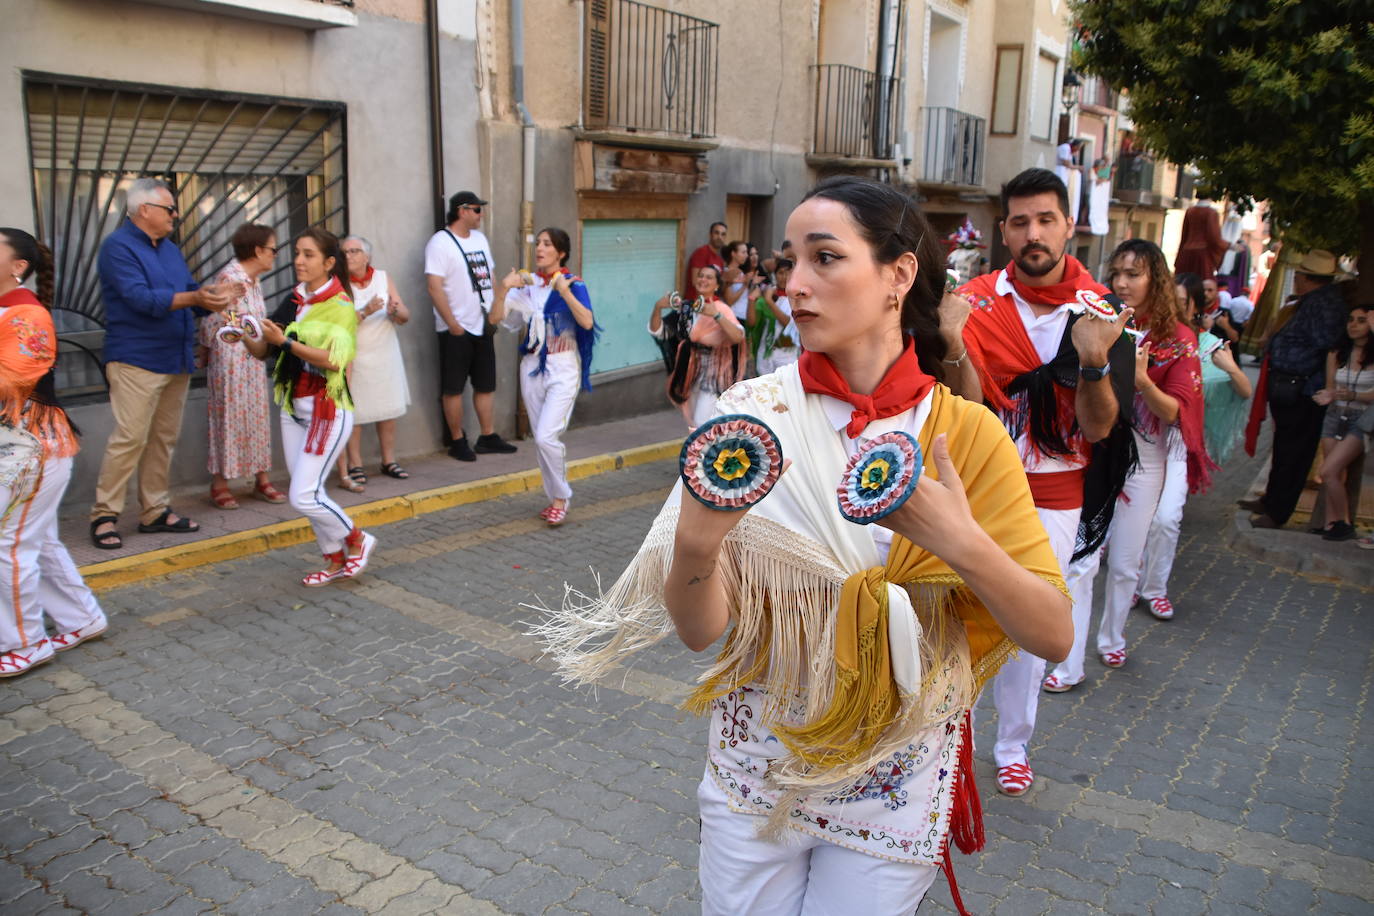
(238,743)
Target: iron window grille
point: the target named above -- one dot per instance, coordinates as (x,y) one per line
(856,112)
(229,159)
(649,69)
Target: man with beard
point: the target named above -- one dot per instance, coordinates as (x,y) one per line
(1058,384)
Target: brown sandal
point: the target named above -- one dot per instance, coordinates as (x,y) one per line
(269,493)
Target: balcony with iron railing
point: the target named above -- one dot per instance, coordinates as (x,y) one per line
(855,116)
(649,71)
(953,147)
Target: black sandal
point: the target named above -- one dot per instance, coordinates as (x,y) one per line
(110,540)
(182,525)
(392,469)
(358,476)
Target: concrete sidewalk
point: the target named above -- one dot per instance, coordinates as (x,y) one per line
(436,482)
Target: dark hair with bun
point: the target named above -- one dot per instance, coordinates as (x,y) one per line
(39,258)
(892,224)
(562,243)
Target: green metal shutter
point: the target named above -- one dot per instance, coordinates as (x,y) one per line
(628,264)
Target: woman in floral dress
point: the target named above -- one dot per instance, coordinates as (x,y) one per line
(239,402)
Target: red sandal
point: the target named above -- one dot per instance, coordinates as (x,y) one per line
(1014,779)
(556,515)
(269,493)
(222,498)
(354,565)
(1114,659)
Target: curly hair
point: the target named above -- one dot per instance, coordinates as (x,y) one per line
(1159,313)
(892,224)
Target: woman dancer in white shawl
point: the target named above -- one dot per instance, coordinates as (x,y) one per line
(839,761)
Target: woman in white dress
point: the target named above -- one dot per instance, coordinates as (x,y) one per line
(378,377)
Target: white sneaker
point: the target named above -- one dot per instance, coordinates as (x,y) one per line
(17,661)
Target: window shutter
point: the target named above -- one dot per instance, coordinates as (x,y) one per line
(596,80)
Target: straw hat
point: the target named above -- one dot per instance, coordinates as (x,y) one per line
(1317,263)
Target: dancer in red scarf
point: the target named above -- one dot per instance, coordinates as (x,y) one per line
(1057,383)
(1166,415)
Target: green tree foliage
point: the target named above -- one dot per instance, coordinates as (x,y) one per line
(1270,99)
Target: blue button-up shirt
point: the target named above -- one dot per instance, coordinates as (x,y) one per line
(138,278)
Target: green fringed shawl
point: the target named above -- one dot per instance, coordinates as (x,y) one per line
(331,325)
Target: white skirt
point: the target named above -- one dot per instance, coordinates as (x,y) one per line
(378,383)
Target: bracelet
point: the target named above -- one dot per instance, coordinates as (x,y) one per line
(957,362)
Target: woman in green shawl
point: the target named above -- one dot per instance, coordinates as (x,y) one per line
(313,335)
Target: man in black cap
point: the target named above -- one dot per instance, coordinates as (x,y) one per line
(458,270)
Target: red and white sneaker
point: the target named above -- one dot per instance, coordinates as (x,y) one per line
(1162,608)
(1015,779)
(64,641)
(1113,659)
(354,566)
(17,661)
(1055,685)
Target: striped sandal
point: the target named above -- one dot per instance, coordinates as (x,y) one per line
(326,576)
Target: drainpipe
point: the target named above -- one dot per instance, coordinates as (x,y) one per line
(517,34)
(436,117)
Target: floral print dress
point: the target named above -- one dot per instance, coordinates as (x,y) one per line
(240,400)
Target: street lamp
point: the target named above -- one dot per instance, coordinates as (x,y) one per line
(1068,94)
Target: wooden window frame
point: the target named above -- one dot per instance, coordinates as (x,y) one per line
(1020,50)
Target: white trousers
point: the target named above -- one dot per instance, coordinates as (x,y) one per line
(309,473)
(1125,544)
(1162,543)
(37,575)
(549,398)
(796,874)
(1016,688)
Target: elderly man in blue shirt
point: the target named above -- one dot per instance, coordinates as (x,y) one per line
(149,297)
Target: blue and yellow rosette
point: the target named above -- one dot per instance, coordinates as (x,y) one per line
(879,477)
(730,462)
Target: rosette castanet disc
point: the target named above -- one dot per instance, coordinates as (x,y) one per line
(730,462)
(880,477)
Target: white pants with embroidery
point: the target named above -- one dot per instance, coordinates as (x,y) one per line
(1016,689)
(309,472)
(797,874)
(37,575)
(549,398)
(1125,544)
(1162,543)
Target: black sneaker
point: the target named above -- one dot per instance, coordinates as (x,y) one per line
(461,450)
(493,443)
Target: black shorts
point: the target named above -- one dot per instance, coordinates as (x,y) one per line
(467,356)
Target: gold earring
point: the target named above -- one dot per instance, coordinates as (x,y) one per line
(896,303)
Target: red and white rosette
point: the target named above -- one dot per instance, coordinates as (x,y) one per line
(1095,305)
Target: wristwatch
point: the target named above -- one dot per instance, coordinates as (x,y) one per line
(1093,374)
(285,345)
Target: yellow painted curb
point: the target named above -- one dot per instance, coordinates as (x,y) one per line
(128,570)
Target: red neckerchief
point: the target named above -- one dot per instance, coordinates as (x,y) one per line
(365,279)
(20,295)
(331,289)
(901,389)
(1075,278)
(1178,373)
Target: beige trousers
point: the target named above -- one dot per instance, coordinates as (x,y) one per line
(147,413)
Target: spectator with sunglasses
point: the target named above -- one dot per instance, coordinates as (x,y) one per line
(458,271)
(150,336)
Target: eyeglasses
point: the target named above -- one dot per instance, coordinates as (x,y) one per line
(273,248)
(171,211)
(354,251)
(473,207)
